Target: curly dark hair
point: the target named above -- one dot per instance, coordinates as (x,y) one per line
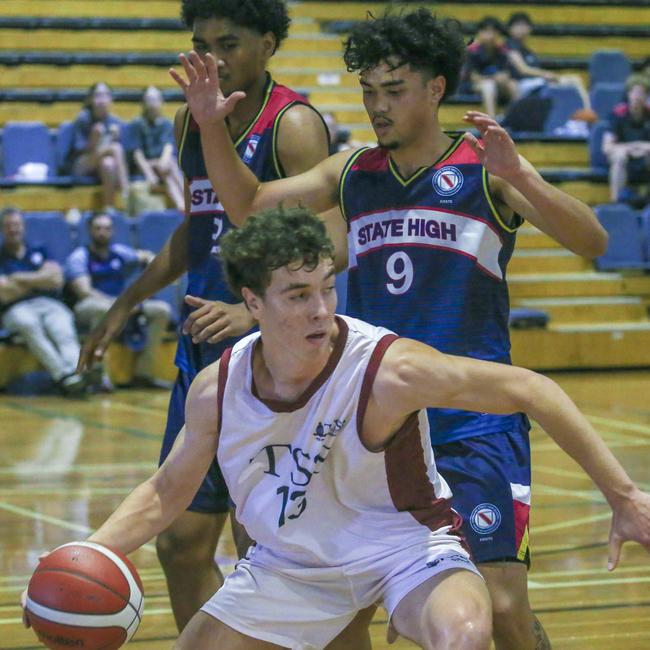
(428,44)
(269,241)
(262,16)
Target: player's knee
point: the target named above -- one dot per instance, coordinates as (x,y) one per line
(107,165)
(509,611)
(180,547)
(467,624)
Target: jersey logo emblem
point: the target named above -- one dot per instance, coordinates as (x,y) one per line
(36,258)
(447,181)
(485,518)
(251,147)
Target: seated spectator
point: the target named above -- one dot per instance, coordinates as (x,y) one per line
(339,137)
(154,148)
(30,285)
(96,147)
(526,65)
(97,275)
(627,143)
(487,70)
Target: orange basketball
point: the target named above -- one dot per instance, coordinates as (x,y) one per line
(85,595)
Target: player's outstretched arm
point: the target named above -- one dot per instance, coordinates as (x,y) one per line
(518,186)
(413,376)
(154,504)
(237,187)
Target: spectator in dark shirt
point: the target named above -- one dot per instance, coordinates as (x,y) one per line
(30,285)
(526,65)
(487,69)
(627,143)
(96,147)
(154,148)
(97,275)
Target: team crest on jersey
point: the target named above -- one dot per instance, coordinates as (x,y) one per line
(36,258)
(447,181)
(251,148)
(485,518)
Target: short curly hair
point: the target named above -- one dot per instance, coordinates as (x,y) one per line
(269,241)
(262,16)
(420,39)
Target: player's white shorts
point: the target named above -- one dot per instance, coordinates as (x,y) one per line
(275,600)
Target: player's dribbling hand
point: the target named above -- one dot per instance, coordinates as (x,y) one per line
(630,522)
(213,321)
(202,90)
(496,149)
(100,338)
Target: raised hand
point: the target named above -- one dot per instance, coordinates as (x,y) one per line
(213,321)
(202,90)
(496,149)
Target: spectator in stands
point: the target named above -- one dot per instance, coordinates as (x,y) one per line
(627,143)
(487,69)
(153,153)
(526,65)
(96,147)
(339,136)
(97,274)
(30,285)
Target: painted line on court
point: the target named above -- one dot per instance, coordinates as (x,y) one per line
(88,469)
(621,424)
(567,473)
(589,583)
(55,521)
(561,525)
(50,414)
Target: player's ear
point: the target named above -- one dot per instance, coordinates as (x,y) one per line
(438,86)
(269,44)
(252,301)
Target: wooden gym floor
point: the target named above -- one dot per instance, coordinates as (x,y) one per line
(65,466)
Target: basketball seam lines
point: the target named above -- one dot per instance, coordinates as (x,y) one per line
(101,584)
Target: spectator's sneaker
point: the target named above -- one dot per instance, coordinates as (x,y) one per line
(73,384)
(98,380)
(150,382)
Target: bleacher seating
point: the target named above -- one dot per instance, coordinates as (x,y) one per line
(51,230)
(596,156)
(604,96)
(608,66)
(565,101)
(27,142)
(627,248)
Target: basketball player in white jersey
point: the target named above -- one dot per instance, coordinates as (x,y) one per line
(319,426)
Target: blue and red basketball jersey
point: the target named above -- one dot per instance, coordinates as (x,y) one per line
(257,147)
(427,259)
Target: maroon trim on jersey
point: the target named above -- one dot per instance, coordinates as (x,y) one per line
(372,160)
(279,406)
(369,377)
(221,384)
(463,155)
(409,485)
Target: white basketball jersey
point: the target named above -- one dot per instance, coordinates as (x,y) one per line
(304,485)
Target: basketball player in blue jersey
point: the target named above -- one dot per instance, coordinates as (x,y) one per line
(276,133)
(431,220)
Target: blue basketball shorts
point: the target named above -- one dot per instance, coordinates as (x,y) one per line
(489,476)
(212,496)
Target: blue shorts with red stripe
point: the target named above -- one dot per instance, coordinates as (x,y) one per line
(490,478)
(212,496)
